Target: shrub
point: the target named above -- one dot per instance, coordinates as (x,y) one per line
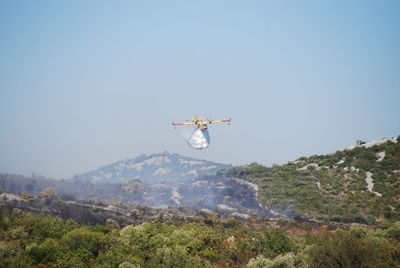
(86,243)
(171,257)
(281,261)
(126,264)
(350,249)
(276,241)
(46,253)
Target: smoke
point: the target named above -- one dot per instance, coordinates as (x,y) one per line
(186,133)
(199,139)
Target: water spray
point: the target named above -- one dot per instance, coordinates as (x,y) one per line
(200,139)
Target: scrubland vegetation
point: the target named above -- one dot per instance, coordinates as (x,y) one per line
(332,187)
(28,240)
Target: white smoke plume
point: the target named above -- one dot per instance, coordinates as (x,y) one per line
(186,133)
(200,139)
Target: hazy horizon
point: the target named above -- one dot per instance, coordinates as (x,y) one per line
(85,84)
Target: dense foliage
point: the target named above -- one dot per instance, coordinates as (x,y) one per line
(332,187)
(27,240)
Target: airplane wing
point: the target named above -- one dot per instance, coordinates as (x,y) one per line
(182,124)
(220,121)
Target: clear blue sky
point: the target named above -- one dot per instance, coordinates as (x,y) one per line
(87,83)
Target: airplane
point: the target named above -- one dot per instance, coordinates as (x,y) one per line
(201,122)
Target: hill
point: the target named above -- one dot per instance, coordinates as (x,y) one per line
(156,180)
(153,168)
(358,184)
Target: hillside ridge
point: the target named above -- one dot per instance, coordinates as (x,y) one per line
(357,184)
(156,167)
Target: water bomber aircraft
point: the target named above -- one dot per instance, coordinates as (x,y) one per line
(201,122)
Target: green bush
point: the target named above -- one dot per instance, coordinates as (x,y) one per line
(85,243)
(281,261)
(172,257)
(276,241)
(350,249)
(101,229)
(46,253)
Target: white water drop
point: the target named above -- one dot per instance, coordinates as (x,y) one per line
(200,139)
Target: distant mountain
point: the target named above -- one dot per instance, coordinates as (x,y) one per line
(162,167)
